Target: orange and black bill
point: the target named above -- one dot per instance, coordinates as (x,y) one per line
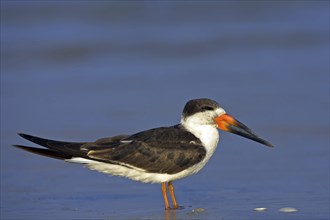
(228,123)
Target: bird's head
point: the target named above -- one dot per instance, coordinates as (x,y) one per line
(208,112)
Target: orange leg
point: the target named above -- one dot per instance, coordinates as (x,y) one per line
(171,189)
(167,205)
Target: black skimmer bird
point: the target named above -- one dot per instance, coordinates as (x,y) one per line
(159,155)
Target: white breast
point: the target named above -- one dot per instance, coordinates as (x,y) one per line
(209,137)
(203,127)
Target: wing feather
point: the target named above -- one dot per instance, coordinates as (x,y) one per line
(161,150)
(155,151)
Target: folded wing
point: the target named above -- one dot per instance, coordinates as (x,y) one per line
(161,150)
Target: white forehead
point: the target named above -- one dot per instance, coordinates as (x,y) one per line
(220,111)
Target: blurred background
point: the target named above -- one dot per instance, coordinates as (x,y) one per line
(81,70)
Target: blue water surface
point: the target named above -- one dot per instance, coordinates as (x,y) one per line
(81,70)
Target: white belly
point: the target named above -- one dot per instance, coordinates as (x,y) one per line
(137,173)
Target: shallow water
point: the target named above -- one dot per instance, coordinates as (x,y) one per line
(81,71)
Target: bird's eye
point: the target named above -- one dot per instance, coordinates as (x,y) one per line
(207,108)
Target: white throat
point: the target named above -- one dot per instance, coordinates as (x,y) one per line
(206,132)
(203,126)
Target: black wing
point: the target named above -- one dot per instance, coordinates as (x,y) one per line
(161,150)
(45,152)
(67,150)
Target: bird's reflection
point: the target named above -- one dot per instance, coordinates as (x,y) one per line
(170,214)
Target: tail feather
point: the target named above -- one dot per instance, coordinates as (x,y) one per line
(45,152)
(60,147)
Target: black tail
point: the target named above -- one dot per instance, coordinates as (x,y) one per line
(45,152)
(56,149)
